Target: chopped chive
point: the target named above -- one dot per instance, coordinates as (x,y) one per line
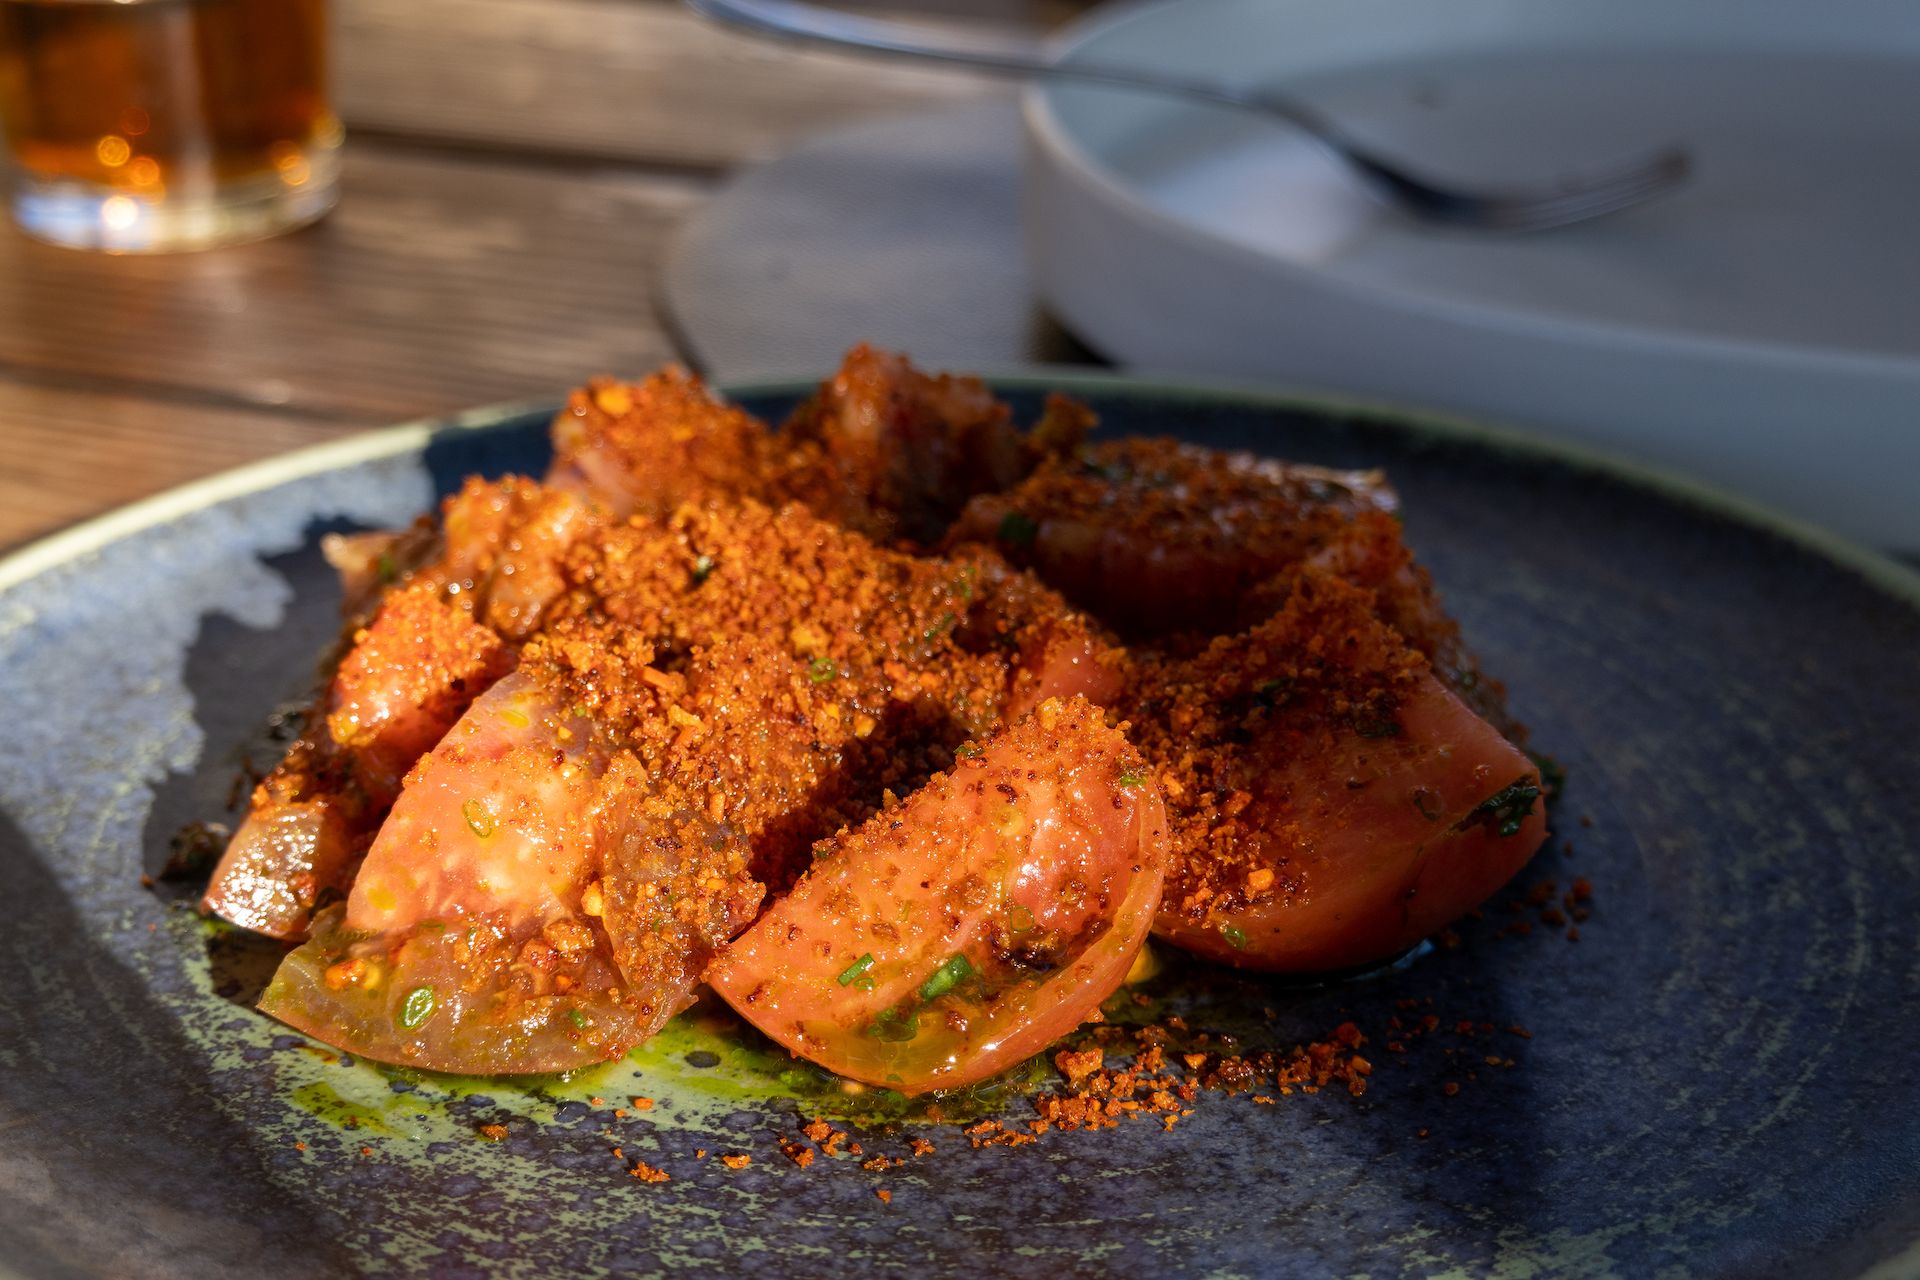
(1130,778)
(1018,528)
(702,569)
(416,1008)
(515,717)
(1506,811)
(1020,918)
(854,970)
(821,670)
(965,751)
(948,976)
(942,625)
(479,821)
(1234,936)
(388,569)
(577,1018)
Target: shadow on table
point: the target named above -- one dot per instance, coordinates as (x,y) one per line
(117,1159)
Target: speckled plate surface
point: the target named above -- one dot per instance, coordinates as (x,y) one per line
(1720,1078)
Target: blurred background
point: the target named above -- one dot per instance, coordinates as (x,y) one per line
(533,191)
(513,172)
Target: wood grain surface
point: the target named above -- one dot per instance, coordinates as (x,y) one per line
(74,452)
(439,282)
(515,169)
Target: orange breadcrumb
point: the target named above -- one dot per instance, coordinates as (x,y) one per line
(647,1173)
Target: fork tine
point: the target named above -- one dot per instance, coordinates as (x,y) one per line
(1573,199)
(1590,197)
(1669,165)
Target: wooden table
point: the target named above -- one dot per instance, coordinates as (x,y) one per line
(513,173)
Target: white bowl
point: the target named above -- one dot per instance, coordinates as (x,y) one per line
(1759,329)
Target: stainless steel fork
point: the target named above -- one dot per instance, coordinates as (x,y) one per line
(1557,203)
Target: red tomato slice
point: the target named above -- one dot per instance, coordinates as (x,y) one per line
(1372,843)
(472,941)
(647,447)
(503,541)
(967,929)
(411,672)
(271,874)
(370,562)
(1154,537)
(674,885)
(909,447)
(1059,652)
(464,995)
(1064,660)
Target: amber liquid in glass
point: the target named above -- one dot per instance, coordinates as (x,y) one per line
(160,124)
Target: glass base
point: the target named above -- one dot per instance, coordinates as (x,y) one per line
(81,215)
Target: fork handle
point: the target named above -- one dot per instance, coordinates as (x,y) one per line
(1004,52)
(992,49)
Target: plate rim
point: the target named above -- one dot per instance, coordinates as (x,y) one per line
(91,535)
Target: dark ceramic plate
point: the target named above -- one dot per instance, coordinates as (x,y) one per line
(1722,1076)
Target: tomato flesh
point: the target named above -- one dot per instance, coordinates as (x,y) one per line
(965,930)
(1376,843)
(270,876)
(1154,537)
(485,891)
(411,673)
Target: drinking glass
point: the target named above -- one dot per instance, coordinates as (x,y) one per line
(152,125)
